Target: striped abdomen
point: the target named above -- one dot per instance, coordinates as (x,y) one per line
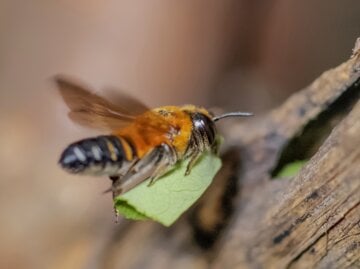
(102,155)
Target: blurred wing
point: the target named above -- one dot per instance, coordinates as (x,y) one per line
(133,105)
(91,110)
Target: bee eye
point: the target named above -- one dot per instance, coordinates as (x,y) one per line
(204,125)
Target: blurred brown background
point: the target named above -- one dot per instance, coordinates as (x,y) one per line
(246,54)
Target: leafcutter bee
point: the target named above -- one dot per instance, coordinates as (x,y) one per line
(140,143)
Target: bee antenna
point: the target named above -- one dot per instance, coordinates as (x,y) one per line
(232,114)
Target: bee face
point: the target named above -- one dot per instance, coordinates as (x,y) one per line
(204,126)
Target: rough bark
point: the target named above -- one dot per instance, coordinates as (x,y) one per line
(247,219)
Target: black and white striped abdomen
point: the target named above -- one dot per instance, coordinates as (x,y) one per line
(102,155)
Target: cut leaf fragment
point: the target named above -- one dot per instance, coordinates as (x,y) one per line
(129,212)
(171,195)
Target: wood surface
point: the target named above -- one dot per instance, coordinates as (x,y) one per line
(248,218)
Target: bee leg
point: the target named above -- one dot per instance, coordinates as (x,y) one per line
(151,165)
(159,172)
(192,162)
(215,147)
(167,158)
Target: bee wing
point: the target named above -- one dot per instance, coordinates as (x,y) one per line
(129,103)
(91,110)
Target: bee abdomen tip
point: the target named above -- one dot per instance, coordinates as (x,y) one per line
(102,155)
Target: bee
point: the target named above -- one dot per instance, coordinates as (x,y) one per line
(141,143)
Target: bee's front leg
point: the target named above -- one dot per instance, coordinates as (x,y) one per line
(194,158)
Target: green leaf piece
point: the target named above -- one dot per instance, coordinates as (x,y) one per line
(171,195)
(129,212)
(291,169)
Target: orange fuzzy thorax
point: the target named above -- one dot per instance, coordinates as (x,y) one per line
(168,124)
